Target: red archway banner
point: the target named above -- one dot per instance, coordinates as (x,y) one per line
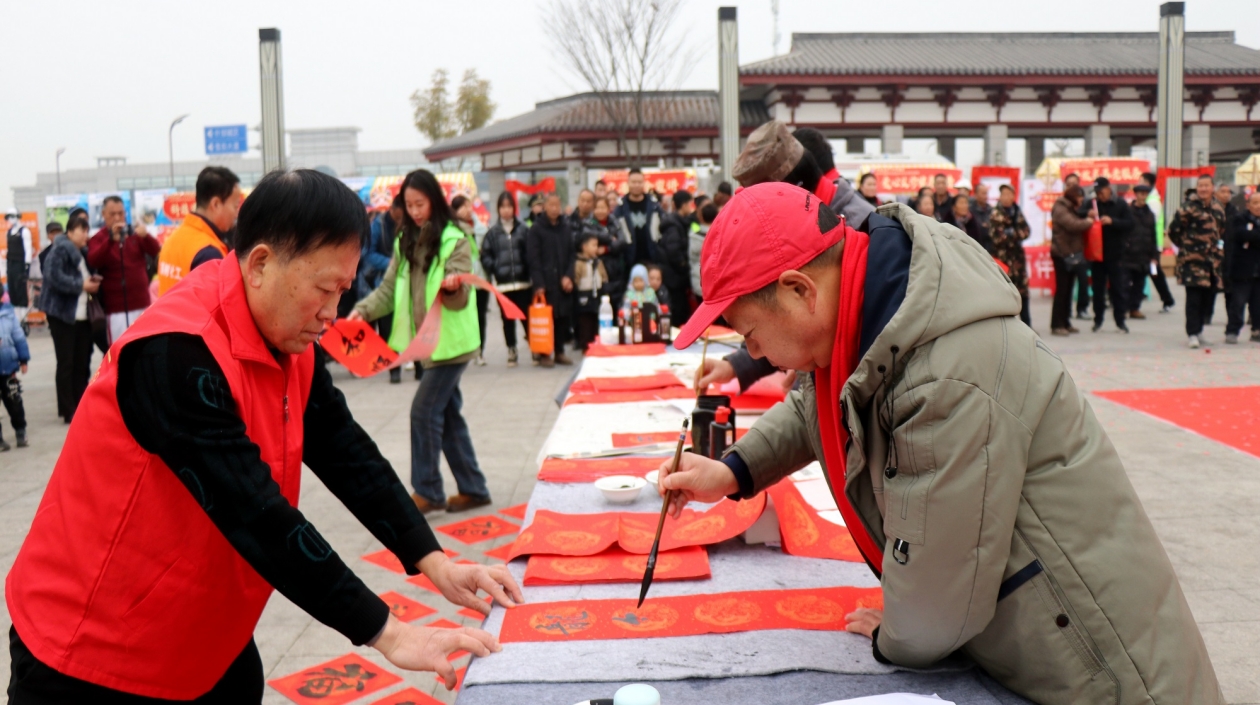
(1165,173)
(980,171)
(547,185)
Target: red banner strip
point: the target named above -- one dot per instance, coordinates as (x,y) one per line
(616,565)
(804,533)
(817,609)
(591,469)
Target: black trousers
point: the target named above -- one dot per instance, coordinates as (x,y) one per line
(483,303)
(1199,303)
(679,306)
(586,327)
(72,345)
(31,682)
(1136,290)
(522,299)
(1242,295)
(1064,279)
(1109,277)
(11,395)
(1161,285)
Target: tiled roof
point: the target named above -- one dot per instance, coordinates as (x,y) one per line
(1010,54)
(584,112)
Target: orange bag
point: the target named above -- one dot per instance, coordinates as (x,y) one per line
(541,328)
(1094,239)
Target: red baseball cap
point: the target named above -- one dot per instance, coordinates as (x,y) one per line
(762,232)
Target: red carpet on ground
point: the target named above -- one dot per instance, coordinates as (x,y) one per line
(1230,415)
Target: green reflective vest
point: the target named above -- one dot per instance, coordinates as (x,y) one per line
(460,334)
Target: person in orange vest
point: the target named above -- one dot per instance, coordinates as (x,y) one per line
(171,514)
(201,237)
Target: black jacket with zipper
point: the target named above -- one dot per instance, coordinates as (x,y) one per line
(503,253)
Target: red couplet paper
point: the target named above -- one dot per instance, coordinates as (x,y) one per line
(356,345)
(657,380)
(405,608)
(478,529)
(516,511)
(1220,413)
(334,682)
(631,440)
(591,469)
(410,696)
(617,566)
(598,349)
(553,533)
(818,609)
(623,397)
(804,533)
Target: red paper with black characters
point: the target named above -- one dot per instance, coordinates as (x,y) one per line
(477,529)
(657,380)
(591,469)
(334,682)
(598,349)
(405,608)
(629,396)
(817,609)
(804,533)
(426,340)
(356,345)
(616,565)
(552,533)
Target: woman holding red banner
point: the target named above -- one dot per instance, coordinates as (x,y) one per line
(421,281)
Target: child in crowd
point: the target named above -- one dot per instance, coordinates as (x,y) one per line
(14,354)
(657,282)
(704,217)
(591,282)
(638,292)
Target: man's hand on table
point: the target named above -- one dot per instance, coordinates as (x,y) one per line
(427,648)
(864,621)
(459,582)
(698,479)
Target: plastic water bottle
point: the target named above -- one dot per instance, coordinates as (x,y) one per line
(606,331)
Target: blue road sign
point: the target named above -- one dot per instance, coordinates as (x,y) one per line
(227,139)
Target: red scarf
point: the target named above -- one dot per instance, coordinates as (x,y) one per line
(825,191)
(829,380)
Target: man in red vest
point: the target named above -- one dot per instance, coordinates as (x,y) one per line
(969,469)
(172,511)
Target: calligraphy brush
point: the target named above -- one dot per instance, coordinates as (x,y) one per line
(660,524)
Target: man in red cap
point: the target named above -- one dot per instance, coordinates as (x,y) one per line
(968,467)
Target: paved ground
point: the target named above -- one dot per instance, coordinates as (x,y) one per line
(1203,496)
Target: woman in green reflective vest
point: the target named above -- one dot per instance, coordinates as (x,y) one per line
(429,252)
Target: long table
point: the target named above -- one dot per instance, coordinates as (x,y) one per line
(793,667)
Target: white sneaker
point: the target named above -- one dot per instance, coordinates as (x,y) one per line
(1194,342)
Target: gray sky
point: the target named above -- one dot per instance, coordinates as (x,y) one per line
(105,79)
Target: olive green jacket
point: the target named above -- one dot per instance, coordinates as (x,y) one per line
(1025,544)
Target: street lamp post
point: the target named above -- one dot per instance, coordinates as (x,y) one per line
(59,152)
(170,144)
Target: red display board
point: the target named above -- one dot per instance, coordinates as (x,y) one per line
(894,179)
(804,533)
(1011,173)
(616,565)
(334,682)
(588,534)
(818,609)
(1118,170)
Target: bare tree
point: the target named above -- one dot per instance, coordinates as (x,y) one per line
(621,49)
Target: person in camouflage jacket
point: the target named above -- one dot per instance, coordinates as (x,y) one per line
(1197,230)
(1008,230)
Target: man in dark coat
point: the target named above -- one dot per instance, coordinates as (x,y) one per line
(1140,250)
(550,252)
(675,258)
(1244,271)
(1007,231)
(1117,221)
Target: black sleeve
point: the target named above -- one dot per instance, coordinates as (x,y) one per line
(205,254)
(747,369)
(1122,219)
(533,257)
(175,401)
(348,462)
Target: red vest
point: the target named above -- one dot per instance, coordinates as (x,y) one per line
(123,580)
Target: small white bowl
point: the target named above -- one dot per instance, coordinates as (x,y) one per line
(652,478)
(621,489)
